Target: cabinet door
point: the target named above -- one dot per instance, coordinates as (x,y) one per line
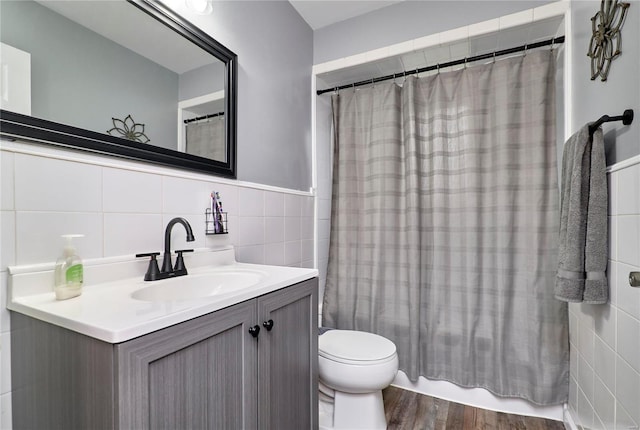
(288,358)
(200,374)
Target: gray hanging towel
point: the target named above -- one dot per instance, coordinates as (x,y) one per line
(582,254)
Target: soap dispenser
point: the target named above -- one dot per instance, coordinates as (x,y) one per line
(68,271)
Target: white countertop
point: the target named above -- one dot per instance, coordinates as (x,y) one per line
(106,311)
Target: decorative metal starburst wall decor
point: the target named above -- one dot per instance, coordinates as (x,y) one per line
(128,129)
(606,39)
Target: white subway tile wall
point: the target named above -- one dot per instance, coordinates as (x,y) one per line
(125,191)
(251,230)
(45,184)
(124,211)
(6,178)
(274,229)
(145,236)
(273,204)
(604,390)
(38,235)
(8,231)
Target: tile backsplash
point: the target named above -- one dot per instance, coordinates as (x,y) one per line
(604,391)
(122,208)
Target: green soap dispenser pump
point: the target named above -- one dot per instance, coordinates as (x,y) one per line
(68,271)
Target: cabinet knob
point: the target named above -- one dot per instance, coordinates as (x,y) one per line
(268,325)
(254,331)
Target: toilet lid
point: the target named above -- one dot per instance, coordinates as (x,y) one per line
(358,346)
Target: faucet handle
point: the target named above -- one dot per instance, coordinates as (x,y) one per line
(179,267)
(153,271)
(148,254)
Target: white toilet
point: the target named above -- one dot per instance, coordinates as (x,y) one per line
(354,367)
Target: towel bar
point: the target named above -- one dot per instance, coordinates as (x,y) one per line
(626,118)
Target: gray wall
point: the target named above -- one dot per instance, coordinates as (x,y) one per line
(592,99)
(405,21)
(203,80)
(275,54)
(83,79)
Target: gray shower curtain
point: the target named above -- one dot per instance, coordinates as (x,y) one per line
(207,139)
(444,226)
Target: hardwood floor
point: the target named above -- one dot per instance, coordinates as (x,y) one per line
(406,410)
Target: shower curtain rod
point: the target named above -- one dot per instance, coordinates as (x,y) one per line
(553,41)
(198,118)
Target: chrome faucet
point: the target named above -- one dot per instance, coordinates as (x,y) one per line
(168,269)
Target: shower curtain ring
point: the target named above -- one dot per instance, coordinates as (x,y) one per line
(354,87)
(438,68)
(465,62)
(494,56)
(526,46)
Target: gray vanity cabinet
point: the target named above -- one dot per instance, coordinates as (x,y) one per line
(205,373)
(200,374)
(288,359)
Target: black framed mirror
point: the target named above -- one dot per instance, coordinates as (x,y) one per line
(163,91)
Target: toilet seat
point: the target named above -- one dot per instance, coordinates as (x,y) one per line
(356,347)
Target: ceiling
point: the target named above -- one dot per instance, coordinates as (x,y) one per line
(321,13)
(124,24)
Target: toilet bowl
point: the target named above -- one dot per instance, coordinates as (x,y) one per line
(353,368)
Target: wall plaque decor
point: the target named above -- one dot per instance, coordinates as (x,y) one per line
(128,129)
(606,39)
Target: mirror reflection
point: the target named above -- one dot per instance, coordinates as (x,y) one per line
(108,67)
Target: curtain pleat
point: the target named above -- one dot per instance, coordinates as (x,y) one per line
(445,216)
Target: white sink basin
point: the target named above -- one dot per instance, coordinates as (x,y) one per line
(197,286)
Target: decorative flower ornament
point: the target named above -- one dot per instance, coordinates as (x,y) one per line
(128,129)
(606,39)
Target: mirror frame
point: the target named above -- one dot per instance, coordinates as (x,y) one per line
(17,126)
